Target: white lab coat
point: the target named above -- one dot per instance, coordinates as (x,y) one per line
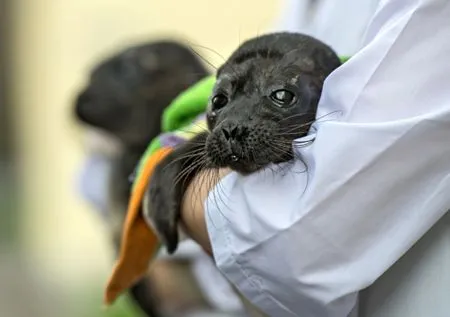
(377,180)
(341,24)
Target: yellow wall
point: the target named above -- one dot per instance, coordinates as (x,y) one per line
(55,44)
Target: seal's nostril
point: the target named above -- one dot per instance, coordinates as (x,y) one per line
(226,133)
(234,132)
(230,132)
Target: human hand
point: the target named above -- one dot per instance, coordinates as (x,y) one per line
(192,207)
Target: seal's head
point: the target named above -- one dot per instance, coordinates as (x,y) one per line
(127,92)
(265,97)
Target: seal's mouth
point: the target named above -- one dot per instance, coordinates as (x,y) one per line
(246,149)
(224,153)
(241,165)
(240,156)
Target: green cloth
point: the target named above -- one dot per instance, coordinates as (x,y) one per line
(188,105)
(344,59)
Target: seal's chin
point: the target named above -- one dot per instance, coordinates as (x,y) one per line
(243,167)
(238,161)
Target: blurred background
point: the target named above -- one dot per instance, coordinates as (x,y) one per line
(55,255)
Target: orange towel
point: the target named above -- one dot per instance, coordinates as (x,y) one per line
(139,242)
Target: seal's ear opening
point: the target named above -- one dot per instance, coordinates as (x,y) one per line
(139,242)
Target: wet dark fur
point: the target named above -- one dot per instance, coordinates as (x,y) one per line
(251,130)
(125,97)
(127,93)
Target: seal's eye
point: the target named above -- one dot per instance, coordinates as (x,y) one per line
(283,97)
(219,101)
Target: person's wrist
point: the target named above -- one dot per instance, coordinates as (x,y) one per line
(192,211)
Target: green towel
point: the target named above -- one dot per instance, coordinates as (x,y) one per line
(188,105)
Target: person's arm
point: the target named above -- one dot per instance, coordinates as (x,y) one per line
(377,177)
(193,214)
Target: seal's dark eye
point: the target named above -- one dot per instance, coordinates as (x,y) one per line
(219,101)
(283,97)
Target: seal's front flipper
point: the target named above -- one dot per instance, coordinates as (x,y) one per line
(164,195)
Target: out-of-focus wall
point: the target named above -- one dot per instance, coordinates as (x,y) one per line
(55,43)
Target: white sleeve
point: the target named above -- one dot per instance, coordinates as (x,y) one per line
(377,175)
(340,24)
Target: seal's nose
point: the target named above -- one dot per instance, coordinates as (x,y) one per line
(234,132)
(82,106)
(230,132)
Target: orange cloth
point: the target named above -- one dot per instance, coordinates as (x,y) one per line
(139,242)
